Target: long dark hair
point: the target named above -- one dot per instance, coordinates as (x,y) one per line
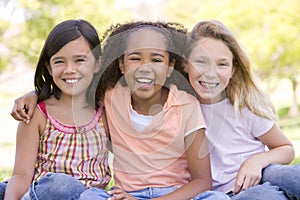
(60,35)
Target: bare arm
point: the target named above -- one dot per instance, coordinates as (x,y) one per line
(24,107)
(280,151)
(25,159)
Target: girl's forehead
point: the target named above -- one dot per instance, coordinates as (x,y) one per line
(146,38)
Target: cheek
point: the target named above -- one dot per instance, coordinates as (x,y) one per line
(193,74)
(225,77)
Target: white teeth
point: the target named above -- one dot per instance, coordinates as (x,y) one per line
(208,85)
(72,81)
(144,81)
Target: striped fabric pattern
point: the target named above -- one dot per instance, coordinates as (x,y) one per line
(78,151)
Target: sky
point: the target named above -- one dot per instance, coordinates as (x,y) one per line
(8,12)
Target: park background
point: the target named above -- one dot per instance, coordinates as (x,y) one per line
(268,30)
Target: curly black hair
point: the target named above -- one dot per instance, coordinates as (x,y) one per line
(114,43)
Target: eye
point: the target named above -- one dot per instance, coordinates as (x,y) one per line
(223,65)
(57,62)
(157,60)
(80,60)
(201,61)
(134,58)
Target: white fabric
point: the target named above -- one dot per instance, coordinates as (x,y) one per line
(232,139)
(139,121)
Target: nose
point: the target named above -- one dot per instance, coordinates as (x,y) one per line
(145,67)
(211,70)
(70,67)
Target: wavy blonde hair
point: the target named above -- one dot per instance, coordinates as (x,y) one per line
(242,90)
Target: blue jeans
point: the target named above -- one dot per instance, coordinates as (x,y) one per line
(56,186)
(278,182)
(2,189)
(264,191)
(286,177)
(148,193)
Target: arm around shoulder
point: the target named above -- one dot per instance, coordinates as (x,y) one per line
(24,107)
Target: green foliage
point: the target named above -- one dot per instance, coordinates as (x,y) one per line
(3,63)
(269,30)
(5,173)
(42,16)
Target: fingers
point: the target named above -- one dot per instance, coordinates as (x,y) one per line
(118,194)
(244,182)
(19,112)
(238,184)
(30,109)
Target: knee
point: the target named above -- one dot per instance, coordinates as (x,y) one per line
(212,195)
(94,193)
(58,185)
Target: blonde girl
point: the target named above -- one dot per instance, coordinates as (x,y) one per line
(240,119)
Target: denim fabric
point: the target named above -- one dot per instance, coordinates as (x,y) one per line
(148,193)
(265,191)
(286,177)
(56,186)
(2,189)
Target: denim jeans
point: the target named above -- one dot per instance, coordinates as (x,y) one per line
(265,191)
(278,182)
(2,189)
(286,177)
(148,193)
(56,186)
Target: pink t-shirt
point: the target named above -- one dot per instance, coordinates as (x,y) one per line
(155,156)
(232,139)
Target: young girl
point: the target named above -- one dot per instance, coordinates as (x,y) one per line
(63,147)
(157,131)
(240,119)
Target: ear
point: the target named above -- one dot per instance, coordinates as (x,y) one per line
(171,67)
(185,66)
(98,65)
(48,68)
(121,65)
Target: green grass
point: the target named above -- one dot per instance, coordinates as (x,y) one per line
(5,173)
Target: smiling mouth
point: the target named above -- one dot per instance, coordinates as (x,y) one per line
(208,85)
(144,82)
(71,81)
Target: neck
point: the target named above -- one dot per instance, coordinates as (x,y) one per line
(71,110)
(150,106)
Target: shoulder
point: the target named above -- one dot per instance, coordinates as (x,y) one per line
(36,124)
(182,96)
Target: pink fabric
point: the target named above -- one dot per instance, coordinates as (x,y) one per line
(154,157)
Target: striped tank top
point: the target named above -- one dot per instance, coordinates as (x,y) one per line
(80,152)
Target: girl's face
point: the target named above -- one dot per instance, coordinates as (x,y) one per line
(146,63)
(72,67)
(210,69)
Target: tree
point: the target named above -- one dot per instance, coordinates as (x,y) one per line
(269,31)
(41,16)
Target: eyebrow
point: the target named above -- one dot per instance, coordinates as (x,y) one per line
(152,54)
(225,59)
(62,57)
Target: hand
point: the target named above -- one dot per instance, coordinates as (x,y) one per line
(249,174)
(118,194)
(24,107)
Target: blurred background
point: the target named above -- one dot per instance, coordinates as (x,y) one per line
(268,30)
